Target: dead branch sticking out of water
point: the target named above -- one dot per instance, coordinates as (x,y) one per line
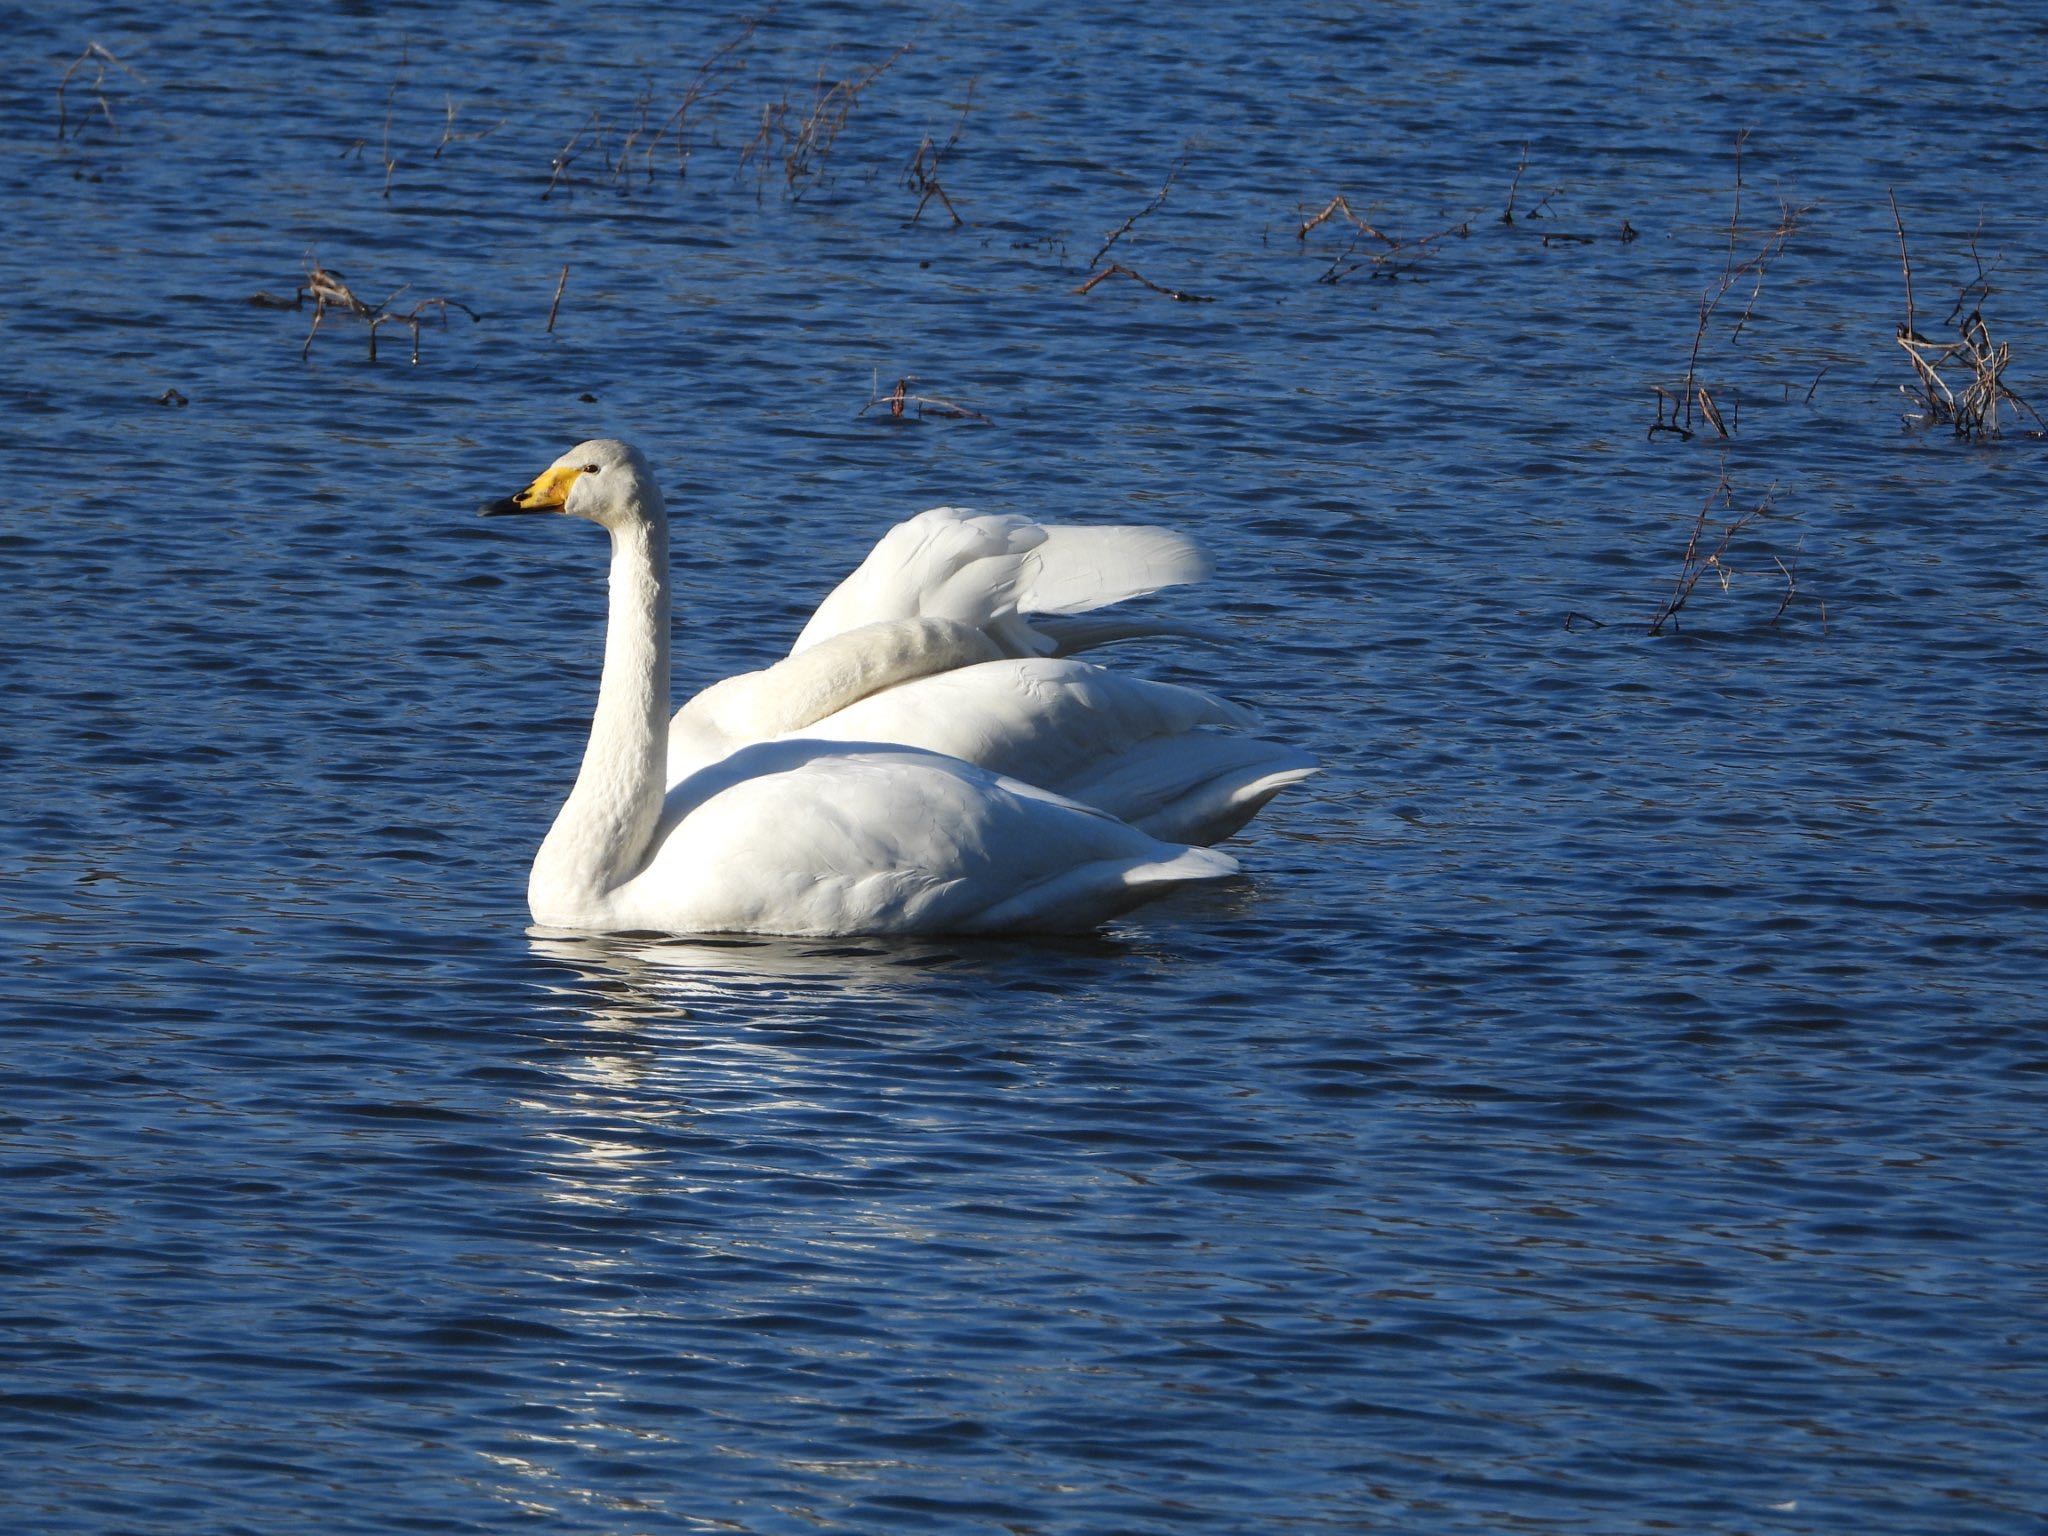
(1389,256)
(99,56)
(1705,551)
(1972,407)
(1549,238)
(1152,207)
(922,174)
(328,291)
(901,405)
(1679,413)
(1117,268)
(807,150)
(1097,273)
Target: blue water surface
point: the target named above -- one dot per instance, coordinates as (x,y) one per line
(1613,1102)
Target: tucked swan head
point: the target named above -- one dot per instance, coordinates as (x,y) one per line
(603,481)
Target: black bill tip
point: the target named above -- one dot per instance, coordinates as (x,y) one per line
(507,507)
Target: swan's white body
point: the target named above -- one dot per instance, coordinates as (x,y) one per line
(942,640)
(808,836)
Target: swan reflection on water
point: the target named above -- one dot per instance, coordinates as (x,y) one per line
(669,969)
(709,997)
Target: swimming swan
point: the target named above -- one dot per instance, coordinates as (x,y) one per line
(800,837)
(956,634)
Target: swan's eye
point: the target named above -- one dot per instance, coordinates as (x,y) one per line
(591,469)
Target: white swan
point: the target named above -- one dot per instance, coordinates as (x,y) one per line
(944,638)
(801,837)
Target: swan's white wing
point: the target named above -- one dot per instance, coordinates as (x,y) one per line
(812,837)
(1133,748)
(990,571)
(1040,719)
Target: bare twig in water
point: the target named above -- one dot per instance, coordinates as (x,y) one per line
(558,168)
(450,136)
(390,164)
(902,405)
(774,123)
(714,76)
(1691,402)
(560,283)
(922,174)
(1699,559)
(809,148)
(1390,256)
(1971,407)
(328,290)
(1340,207)
(1097,272)
(99,56)
(1507,214)
(1735,213)
(1116,267)
(1152,207)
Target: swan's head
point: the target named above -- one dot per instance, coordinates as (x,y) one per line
(603,481)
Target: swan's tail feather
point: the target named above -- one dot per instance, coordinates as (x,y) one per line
(1222,807)
(1084,898)
(1196,787)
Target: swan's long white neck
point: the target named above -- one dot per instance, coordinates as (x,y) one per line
(604,833)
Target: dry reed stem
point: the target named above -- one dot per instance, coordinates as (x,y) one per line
(560,283)
(390,164)
(1973,413)
(713,76)
(774,120)
(100,56)
(807,150)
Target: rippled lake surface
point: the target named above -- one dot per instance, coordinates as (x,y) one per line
(1614,1100)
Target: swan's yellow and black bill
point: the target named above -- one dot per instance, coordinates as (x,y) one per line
(550,493)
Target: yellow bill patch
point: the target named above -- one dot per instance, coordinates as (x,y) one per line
(550,490)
